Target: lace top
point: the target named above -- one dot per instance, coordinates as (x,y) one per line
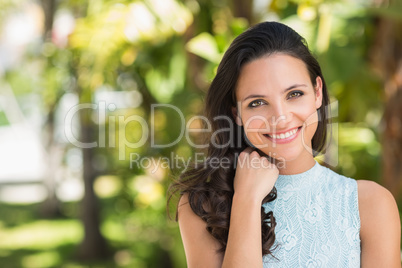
(318,223)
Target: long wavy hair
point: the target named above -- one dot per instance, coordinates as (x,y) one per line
(210,186)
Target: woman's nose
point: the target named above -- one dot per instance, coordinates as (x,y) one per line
(281,116)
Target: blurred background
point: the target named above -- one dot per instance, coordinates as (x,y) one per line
(80,85)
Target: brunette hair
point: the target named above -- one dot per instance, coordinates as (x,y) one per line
(210,189)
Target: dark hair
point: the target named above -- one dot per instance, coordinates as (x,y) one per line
(210,190)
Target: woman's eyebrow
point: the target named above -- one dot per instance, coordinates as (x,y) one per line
(294,86)
(252,96)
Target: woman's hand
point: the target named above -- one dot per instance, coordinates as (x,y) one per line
(255,175)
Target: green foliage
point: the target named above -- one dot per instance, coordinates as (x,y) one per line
(205,46)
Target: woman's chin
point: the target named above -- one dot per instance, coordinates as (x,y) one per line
(288,155)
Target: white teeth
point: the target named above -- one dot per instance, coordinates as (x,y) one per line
(284,135)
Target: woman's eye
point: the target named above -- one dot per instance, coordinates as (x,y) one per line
(256,103)
(295,94)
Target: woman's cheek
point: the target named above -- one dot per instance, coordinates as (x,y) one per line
(310,127)
(311,118)
(253,128)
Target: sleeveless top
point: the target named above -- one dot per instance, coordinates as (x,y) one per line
(318,222)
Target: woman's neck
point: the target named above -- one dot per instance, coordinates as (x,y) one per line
(296,166)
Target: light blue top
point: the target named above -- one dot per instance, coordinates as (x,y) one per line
(318,223)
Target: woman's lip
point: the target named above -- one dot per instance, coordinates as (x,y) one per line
(285,140)
(283,132)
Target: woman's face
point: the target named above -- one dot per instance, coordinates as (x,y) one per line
(277,106)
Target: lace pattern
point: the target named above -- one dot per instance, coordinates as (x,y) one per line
(318,223)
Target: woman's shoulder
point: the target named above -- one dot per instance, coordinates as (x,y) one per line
(183,207)
(199,245)
(375,201)
(380,224)
(185,214)
(373,196)
(367,187)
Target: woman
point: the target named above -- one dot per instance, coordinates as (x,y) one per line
(274,205)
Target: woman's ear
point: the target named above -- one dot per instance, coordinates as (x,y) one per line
(318,92)
(236,116)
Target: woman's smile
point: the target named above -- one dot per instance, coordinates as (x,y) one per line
(283,137)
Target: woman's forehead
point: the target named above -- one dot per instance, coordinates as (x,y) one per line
(271,73)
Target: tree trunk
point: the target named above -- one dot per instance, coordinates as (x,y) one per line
(243,9)
(49,8)
(386,55)
(94,245)
(392,145)
(50,208)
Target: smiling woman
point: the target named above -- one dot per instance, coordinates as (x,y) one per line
(275,206)
(281,92)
